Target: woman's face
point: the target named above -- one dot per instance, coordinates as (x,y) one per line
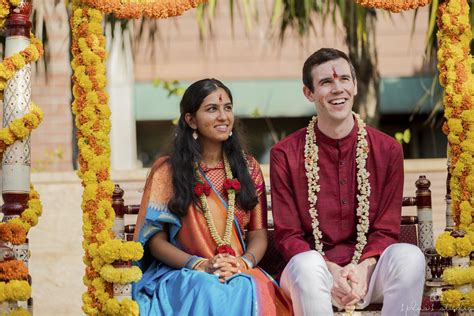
(214,119)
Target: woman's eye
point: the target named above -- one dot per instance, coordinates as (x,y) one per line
(211,109)
(228,108)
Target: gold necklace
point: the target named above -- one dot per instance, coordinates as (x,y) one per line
(223,243)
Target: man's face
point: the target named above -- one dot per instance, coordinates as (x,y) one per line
(334,91)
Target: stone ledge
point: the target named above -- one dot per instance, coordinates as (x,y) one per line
(411,165)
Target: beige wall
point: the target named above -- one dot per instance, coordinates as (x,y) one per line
(250,54)
(253,55)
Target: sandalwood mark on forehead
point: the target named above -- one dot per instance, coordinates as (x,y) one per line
(334,73)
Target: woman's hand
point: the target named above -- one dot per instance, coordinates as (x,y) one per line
(222,265)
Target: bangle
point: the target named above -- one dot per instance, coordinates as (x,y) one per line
(198,263)
(191,262)
(247,262)
(254,260)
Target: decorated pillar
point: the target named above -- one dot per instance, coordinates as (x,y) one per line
(16,160)
(119,209)
(449,211)
(425,216)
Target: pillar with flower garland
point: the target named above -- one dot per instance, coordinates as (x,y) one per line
(21,202)
(107,259)
(455,67)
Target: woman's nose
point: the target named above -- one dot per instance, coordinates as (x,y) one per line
(222,114)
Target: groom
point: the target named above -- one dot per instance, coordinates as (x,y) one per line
(336,196)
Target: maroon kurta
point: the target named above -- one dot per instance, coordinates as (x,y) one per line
(336,203)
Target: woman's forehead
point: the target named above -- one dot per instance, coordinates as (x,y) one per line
(217,96)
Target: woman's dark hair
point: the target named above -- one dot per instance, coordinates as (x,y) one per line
(186,150)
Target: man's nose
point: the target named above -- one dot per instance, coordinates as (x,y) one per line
(336,86)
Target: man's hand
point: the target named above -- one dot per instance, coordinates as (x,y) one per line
(363,272)
(343,281)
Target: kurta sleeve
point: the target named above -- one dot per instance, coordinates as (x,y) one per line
(289,235)
(385,227)
(258,216)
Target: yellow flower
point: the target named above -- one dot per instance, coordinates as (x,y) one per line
(451,299)
(18,312)
(131,251)
(468,299)
(458,276)
(6,136)
(89,192)
(19,221)
(30,217)
(126,307)
(15,290)
(18,61)
(463,246)
(445,246)
(120,275)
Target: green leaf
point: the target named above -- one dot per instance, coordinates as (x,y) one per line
(406,136)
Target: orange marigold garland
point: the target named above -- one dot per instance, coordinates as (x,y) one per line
(134,9)
(393,5)
(13,270)
(93,123)
(10,65)
(88,49)
(454,64)
(12,233)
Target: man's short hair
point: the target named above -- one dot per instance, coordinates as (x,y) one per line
(320,57)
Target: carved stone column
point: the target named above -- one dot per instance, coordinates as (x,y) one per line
(16,161)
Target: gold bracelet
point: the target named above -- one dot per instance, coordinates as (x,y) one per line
(198,263)
(253,259)
(245,262)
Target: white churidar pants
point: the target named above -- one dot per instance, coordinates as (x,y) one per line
(397,282)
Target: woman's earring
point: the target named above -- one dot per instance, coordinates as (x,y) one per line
(230,134)
(195,135)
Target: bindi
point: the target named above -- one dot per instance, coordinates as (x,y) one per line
(220,97)
(334,73)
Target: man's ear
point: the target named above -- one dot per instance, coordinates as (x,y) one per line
(355,86)
(189,118)
(308,94)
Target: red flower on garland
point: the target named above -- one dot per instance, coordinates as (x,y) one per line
(201,188)
(225,249)
(232,184)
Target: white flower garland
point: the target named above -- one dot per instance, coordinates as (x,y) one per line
(363,185)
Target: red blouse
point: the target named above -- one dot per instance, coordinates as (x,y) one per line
(254,219)
(336,204)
